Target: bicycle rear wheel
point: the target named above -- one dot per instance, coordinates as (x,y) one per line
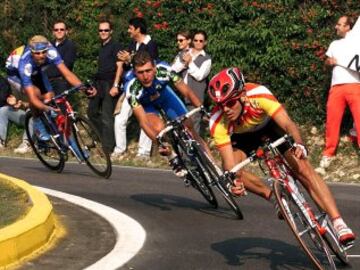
(91,148)
(308,236)
(196,174)
(46,151)
(212,175)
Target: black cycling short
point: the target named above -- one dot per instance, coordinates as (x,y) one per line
(251,141)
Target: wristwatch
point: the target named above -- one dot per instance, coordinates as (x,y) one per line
(116,85)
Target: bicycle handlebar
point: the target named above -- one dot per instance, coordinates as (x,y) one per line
(254,156)
(180,119)
(67,92)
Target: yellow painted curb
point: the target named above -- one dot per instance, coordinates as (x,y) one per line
(30,233)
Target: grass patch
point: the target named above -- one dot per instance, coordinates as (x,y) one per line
(14,203)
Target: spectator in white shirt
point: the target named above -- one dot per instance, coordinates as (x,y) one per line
(195,66)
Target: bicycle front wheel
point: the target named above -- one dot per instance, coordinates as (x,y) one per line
(91,148)
(212,174)
(307,235)
(196,174)
(46,151)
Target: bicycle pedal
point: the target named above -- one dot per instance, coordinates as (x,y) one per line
(187,182)
(349,245)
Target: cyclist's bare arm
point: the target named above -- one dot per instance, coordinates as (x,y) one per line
(73,79)
(252,182)
(140,115)
(35,98)
(227,156)
(68,75)
(187,92)
(284,121)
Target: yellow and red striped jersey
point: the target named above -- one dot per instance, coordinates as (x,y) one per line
(260,105)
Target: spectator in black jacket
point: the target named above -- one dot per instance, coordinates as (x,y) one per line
(67,51)
(101,107)
(141,41)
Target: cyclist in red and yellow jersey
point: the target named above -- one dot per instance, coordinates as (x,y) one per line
(244,114)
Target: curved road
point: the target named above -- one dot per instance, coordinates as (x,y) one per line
(182,231)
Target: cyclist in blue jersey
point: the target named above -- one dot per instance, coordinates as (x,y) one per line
(147,88)
(25,67)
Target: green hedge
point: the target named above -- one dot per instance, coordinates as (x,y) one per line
(280,44)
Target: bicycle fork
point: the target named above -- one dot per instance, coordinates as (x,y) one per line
(329,229)
(305,208)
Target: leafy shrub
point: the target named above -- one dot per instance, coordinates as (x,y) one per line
(280,43)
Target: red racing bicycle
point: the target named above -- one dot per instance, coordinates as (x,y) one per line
(66,131)
(311,226)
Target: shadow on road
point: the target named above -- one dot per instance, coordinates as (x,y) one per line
(69,170)
(167,202)
(277,254)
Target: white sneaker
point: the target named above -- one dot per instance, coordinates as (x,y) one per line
(325,161)
(117,155)
(23,148)
(177,167)
(345,234)
(142,157)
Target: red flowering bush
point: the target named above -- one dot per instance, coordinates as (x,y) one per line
(279,45)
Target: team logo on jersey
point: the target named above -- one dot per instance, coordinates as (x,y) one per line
(154,96)
(52,54)
(28,69)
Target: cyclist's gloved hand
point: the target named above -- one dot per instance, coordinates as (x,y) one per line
(205,114)
(300,151)
(164,149)
(238,189)
(88,89)
(90,92)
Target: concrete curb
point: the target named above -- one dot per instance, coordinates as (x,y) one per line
(30,233)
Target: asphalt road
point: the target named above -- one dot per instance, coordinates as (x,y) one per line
(183,232)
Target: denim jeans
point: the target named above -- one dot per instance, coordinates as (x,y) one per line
(7,113)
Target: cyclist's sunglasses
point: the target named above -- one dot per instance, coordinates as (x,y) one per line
(229,103)
(40,52)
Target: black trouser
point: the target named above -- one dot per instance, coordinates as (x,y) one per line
(101,113)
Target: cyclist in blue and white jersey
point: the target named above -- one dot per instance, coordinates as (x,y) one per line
(149,86)
(25,68)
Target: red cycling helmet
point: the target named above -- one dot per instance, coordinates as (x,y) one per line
(227,84)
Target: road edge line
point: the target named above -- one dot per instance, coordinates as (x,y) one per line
(130,235)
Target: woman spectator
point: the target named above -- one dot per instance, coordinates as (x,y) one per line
(183,39)
(197,65)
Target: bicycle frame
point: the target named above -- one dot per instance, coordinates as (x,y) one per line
(210,172)
(273,159)
(281,173)
(61,126)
